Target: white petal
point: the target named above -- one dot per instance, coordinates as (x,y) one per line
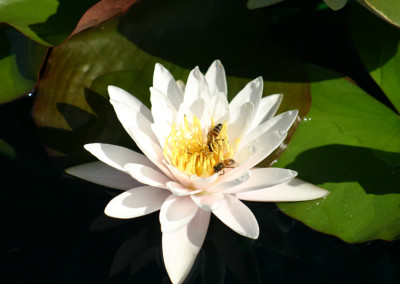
(250,93)
(180,190)
(216,78)
(240,121)
(233,213)
(198,108)
(293,190)
(181,86)
(136,202)
(183,111)
(220,106)
(122,96)
(161,130)
(223,186)
(180,177)
(147,175)
(203,183)
(208,202)
(161,108)
(133,121)
(263,178)
(196,88)
(102,174)
(176,212)
(117,156)
(180,248)
(152,151)
(266,109)
(281,122)
(165,82)
(251,155)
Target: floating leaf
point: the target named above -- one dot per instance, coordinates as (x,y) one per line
(378,45)
(50,22)
(349,143)
(254,4)
(20,63)
(7,150)
(388,10)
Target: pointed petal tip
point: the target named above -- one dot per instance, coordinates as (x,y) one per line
(91,147)
(115,92)
(112,88)
(159,68)
(196,71)
(71,171)
(293,112)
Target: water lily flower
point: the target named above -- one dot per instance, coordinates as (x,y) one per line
(199,157)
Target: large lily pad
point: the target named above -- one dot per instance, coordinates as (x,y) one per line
(20,62)
(349,143)
(378,45)
(50,22)
(72,106)
(388,10)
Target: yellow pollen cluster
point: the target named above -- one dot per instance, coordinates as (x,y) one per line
(187,149)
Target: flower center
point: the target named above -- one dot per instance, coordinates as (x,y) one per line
(194,152)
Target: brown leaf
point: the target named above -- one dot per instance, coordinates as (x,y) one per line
(101,12)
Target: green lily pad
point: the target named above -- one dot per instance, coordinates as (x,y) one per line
(349,143)
(50,22)
(20,63)
(72,105)
(378,45)
(388,10)
(7,150)
(255,4)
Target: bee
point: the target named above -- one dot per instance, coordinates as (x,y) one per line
(213,134)
(228,163)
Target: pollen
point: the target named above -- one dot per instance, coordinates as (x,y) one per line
(195,152)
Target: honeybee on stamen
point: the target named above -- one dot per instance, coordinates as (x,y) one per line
(221,166)
(212,135)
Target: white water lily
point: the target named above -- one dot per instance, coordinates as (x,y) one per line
(181,173)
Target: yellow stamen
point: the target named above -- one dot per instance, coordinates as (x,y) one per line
(186,148)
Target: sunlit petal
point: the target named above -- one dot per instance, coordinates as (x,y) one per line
(250,93)
(176,212)
(179,190)
(147,175)
(263,178)
(102,174)
(136,202)
(281,122)
(208,202)
(122,96)
(266,109)
(165,82)
(233,213)
(216,78)
(293,190)
(180,248)
(117,156)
